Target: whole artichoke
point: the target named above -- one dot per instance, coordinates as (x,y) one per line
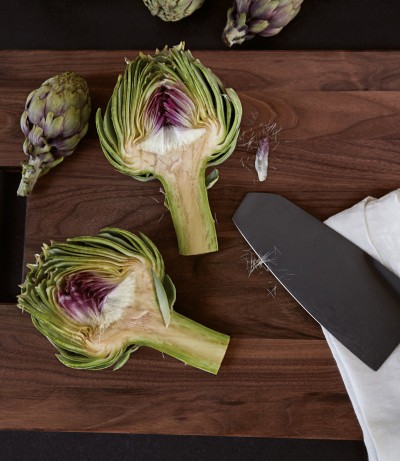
(248,18)
(55,119)
(172,10)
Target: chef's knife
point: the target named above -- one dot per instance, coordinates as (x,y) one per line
(348,292)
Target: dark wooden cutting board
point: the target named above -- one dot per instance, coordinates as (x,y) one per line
(339,141)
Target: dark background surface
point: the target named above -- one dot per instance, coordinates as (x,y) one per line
(127,24)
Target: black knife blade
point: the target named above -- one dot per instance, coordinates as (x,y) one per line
(348,292)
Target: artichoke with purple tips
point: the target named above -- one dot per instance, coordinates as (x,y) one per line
(55,119)
(248,18)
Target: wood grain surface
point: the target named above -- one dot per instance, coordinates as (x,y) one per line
(338,119)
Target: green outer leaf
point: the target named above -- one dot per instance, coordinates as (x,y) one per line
(162,300)
(233,116)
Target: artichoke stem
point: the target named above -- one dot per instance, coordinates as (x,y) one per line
(31,171)
(190,342)
(187,200)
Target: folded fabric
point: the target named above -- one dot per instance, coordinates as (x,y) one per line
(373,225)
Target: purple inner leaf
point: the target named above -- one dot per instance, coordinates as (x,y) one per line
(170,106)
(261,162)
(83,296)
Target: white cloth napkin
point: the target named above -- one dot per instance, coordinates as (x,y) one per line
(373,225)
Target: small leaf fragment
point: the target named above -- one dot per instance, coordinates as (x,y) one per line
(261,162)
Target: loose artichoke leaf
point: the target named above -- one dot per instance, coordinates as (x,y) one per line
(162,299)
(212,178)
(170,290)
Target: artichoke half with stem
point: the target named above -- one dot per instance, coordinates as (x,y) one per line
(55,119)
(170,118)
(99,298)
(248,18)
(173,10)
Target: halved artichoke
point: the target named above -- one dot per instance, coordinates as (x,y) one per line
(98,298)
(170,118)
